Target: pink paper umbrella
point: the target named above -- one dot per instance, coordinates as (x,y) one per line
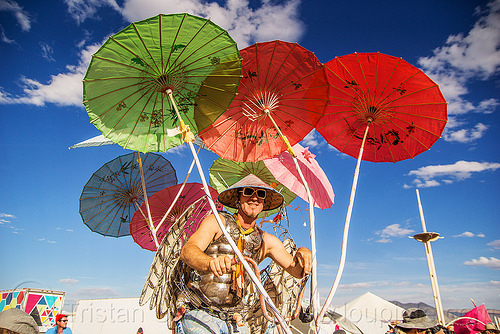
(164,201)
(283,169)
(473,321)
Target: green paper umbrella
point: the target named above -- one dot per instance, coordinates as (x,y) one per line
(224,173)
(126,84)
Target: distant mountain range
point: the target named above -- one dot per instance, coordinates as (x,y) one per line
(449,315)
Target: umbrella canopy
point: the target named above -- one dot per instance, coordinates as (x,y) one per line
(126,87)
(403,107)
(282,82)
(224,173)
(114,192)
(163,201)
(474,321)
(381,109)
(283,169)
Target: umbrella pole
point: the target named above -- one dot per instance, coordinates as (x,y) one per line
(189,137)
(150,220)
(178,194)
(312,233)
(431,266)
(346,229)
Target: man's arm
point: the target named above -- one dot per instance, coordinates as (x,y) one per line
(298,266)
(192,252)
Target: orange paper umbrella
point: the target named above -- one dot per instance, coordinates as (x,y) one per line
(284,88)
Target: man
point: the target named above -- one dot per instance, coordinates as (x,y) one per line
(61,325)
(218,305)
(415,321)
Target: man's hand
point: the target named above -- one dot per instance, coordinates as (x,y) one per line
(222,265)
(303,258)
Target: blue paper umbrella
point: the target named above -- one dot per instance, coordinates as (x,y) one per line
(114,192)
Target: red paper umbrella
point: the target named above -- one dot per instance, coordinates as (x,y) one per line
(164,201)
(284,88)
(386,103)
(403,109)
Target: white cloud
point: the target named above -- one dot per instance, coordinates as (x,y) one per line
(360,285)
(394,230)
(4,38)
(68,281)
(492,262)
(47,51)
(246,24)
(81,10)
(63,89)
(466,57)
(6,215)
(21,16)
(468,234)
(459,171)
(465,135)
(312,139)
(495,244)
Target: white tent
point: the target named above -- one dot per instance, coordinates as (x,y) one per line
(371,313)
(115,315)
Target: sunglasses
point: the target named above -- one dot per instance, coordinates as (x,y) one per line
(63,320)
(248,192)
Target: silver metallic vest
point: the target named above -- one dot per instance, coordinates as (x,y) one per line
(216,291)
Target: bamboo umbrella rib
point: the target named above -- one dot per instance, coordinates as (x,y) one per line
(174,62)
(197,59)
(270,62)
(114,91)
(284,103)
(351,136)
(160,35)
(416,138)
(367,96)
(405,95)
(167,63)
(230,128)
(418,126)
(112,208)
(388,146)
(156,69)
(143,61)
(387,83)
(130,136)
(290,72)
(116,62)
(272,84)
(361,94)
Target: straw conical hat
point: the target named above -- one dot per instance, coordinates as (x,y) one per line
(229,197)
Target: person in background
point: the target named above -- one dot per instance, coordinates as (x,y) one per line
(415,321)
(15,321)
(61,325)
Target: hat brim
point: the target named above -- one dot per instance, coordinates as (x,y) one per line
(423,324)
(230,196)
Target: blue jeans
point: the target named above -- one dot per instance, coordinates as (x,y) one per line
(202,322)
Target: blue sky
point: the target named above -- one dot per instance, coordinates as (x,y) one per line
(45,47)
